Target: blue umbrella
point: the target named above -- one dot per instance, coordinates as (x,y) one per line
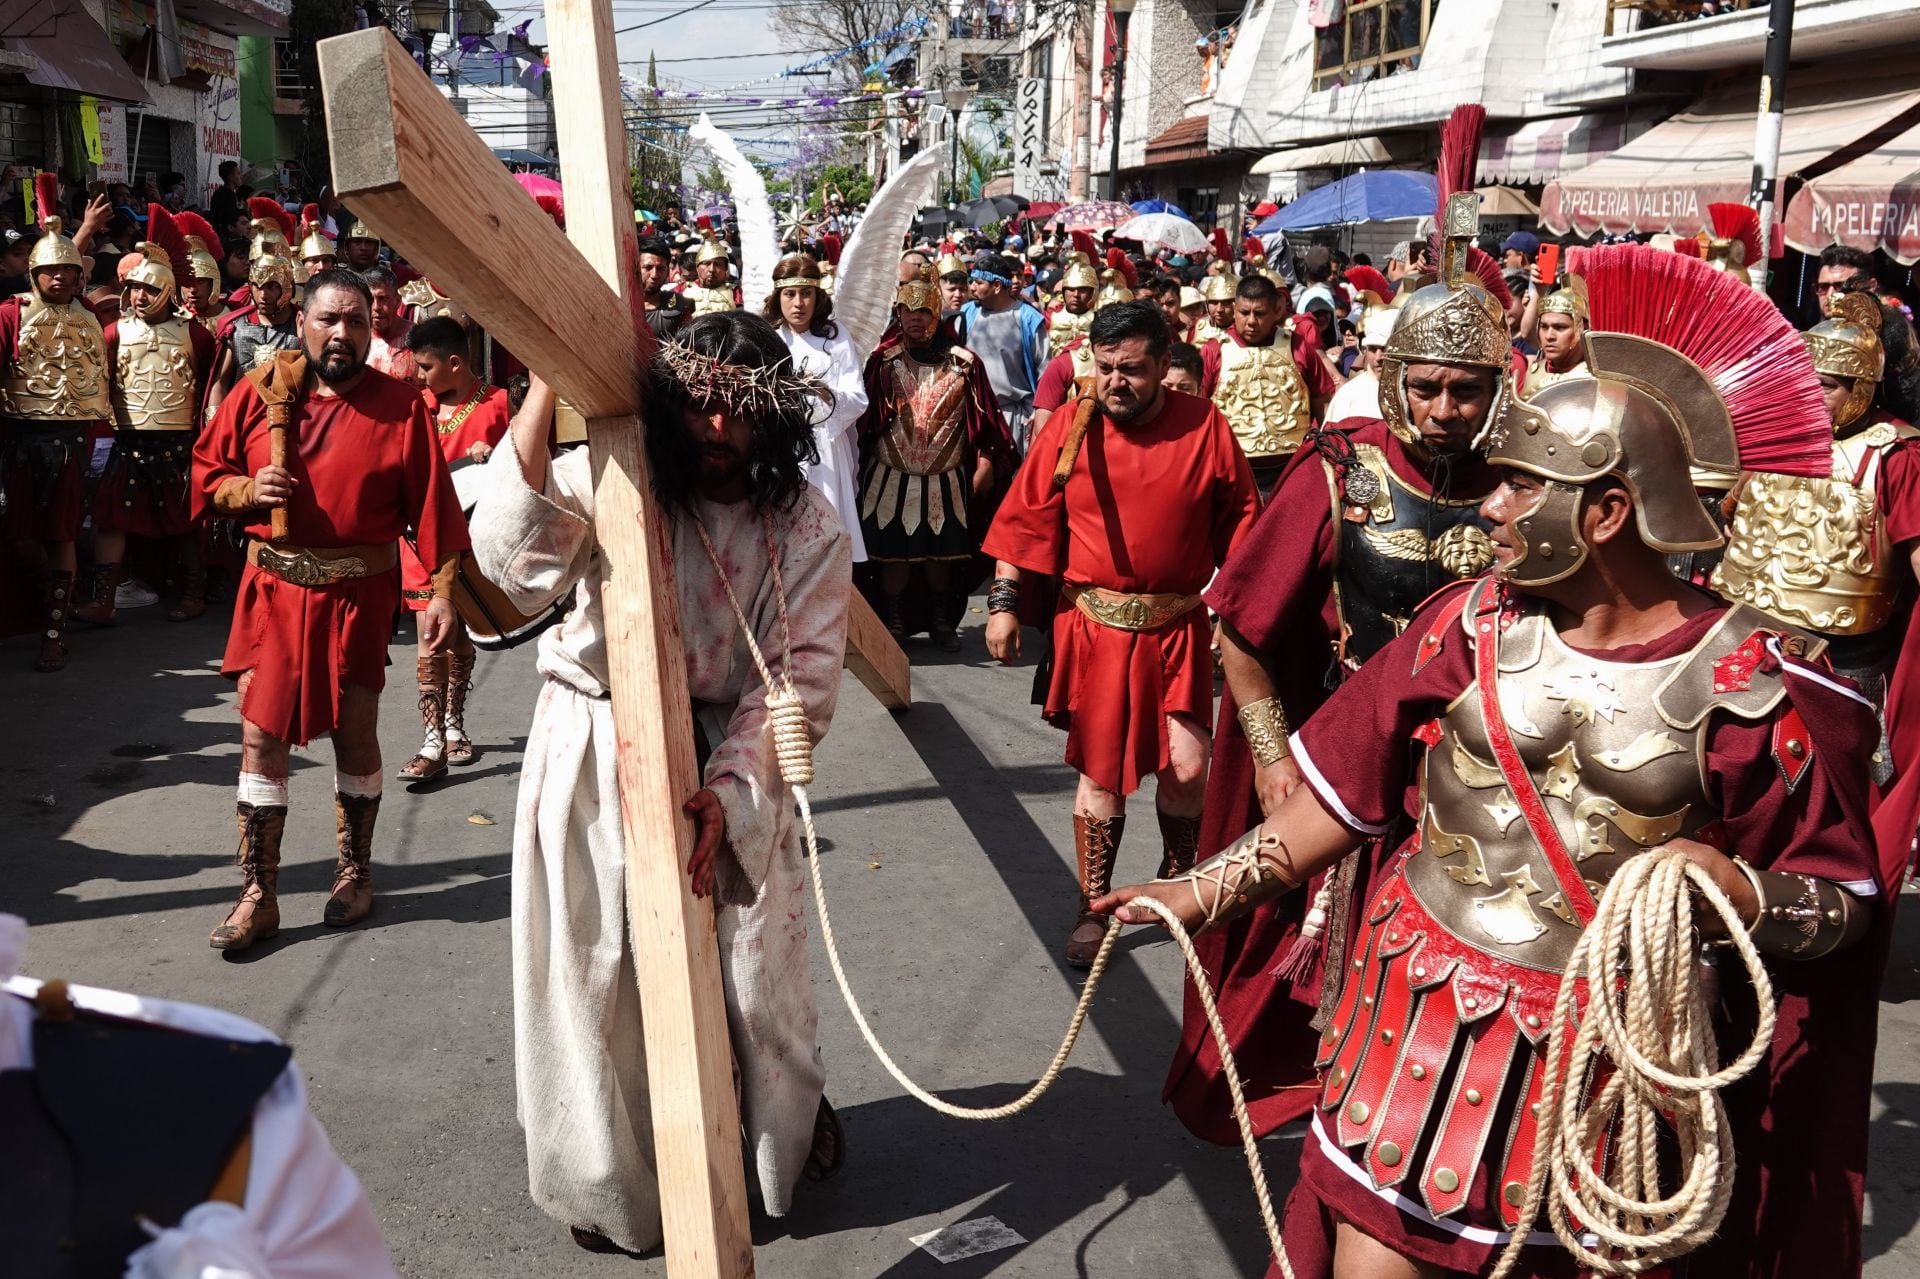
(1161,206)
(1376,195)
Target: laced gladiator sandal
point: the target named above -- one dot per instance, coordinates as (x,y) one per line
(57,602)
(193,596)
(430,761)
(1181,839)
(1096,840)
(256,916)
(460,748)
(352,899)
(102,585)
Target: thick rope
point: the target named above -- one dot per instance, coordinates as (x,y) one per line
(793,751)
(1648,1022)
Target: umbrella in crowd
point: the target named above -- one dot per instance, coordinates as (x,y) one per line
(982,212)
(1160,206)
(1175,232)
(546,193)
(1372,195)
(1093,215)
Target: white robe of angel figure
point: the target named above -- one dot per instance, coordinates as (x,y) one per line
(834,361)
(579,1056)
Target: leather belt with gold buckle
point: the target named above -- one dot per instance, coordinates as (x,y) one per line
(1124,612)
(305,567)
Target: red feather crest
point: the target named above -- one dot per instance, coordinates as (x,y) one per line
(165,234)
(198,228)
(265,206)
(1486,268)
(1752,353)
(309,218)
(1460,150)
(1083,243)
(1119,261)
(1222,246)
(1737,222)
(830,244)
(1367,280)
(46,193)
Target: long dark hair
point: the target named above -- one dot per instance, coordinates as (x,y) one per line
(802,266)
(1900,383)
(782,444)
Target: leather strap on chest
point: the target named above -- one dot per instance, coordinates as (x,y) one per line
(1486,634)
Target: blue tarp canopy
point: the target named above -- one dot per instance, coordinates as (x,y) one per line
(1376,195)
(1160,206)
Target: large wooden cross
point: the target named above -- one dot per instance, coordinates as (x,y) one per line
(406,162)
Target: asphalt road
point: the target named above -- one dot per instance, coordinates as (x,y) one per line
(949,867)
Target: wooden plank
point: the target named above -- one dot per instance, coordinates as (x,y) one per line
(874,658)
(407,163)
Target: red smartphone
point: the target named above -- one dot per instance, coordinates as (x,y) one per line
(1546,265)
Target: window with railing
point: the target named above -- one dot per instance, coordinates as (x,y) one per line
(287,80)
(1364,40)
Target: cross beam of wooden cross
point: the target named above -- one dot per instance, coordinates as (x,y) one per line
(416,173)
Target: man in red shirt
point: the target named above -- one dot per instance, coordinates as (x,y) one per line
(1131,499)
(469,417)
(309,641)
(1267,377)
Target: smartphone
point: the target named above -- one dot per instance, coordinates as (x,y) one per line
(1546,265)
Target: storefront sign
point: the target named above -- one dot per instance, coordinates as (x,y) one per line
(203,50)
(1650,210)
(1029,136)
(219,128)
(113,141)
(1861,218)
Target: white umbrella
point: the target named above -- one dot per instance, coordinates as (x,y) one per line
(1176,233)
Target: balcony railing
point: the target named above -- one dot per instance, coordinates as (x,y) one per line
(1663,13)
(287,79)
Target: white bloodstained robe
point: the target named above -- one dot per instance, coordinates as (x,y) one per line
(834,362)
(579,1055)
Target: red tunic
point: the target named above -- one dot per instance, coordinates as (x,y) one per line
(1800,1120)
(1897,813)
(366,471)
(1276,590)
(1151,508)
(487,424)
(1056,380)
(148,495)
(1306,357)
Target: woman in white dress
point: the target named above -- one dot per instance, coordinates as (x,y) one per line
(803,314)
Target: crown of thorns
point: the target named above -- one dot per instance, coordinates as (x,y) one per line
(765,390)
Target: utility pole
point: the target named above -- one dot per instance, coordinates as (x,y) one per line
(1079,182)
(1122,12)
(1765,193)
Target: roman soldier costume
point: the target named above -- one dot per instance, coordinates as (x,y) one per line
(251,337)
(53,392)
(1063,326)
(316,246)
(1219,287)
(1264,397)
(202,264)
(1569,299)
(1818,553)
(708,299)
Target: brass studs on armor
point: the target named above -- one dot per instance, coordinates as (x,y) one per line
(1533,1021)
(1595,453)
(1796,747)
(1446,1180)
(1366,1001)
(1546,550)
(1386,1036)
(1470,1002)
(1473,1096)
(1514,1193)
(1389,1153)
(1418,1071)
(1358,1112)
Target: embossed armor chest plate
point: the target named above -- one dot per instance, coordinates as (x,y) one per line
(1064,326)
(255,343)
(1263,397)
(59,369)
(153,376)
(1407,547)
(1616,777)
(1815,552)
(707,301)
(925,437)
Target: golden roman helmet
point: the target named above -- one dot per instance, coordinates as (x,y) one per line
(712,249)
(1113,289)
(359,231)
(1220,288)
(1648,415)
(315,244)
(1847,345)
(918,295)
(270,263)
(952,264)
(155,270)
(1079,273)
(269,240)
(1452,321)
(54,248)
(1569,299)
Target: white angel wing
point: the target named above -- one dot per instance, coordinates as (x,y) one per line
(759,245)
(869,271)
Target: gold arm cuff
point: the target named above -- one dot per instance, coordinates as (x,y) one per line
(1265,725)
(234,496)
(1238,877)
(1802,916)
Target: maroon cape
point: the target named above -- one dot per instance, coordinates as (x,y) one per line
(1896,812)
(1276,590)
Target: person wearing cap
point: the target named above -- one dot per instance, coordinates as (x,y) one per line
(1359,395)
(1562,330)
(1009,335)
(1382,511)
(1518,250)
(1193,308)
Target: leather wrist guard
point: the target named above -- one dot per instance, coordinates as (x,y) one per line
(1245,873)
(1802,916)
(234,496)
(443,578)
(1003,596)
(1265,725)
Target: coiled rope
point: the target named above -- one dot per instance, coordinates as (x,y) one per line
(1656,1032)
(1648,1025)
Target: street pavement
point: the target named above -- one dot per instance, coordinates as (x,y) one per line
(947,854)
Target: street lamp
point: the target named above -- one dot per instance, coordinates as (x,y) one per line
(1122,10)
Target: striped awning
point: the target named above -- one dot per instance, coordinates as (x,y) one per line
(1541,150)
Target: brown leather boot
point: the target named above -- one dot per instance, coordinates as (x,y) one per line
(256,916)
(1096,840)
(102,584)
(57,603)
(193,595)
(432,675)
(460,748)
(352,898)
(1180,836)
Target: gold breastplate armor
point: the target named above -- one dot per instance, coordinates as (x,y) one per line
(1540,377)
(1815,552)
(153,376)
(707,301)
(1206,331)
(59,368)
(1063,326)
(1263,397)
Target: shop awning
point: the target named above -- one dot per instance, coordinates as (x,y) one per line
(70,49)
(1347,153)
(1869,203)
(1182,140)
(1542,150)
(1664,179)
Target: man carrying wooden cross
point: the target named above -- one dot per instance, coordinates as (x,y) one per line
(731,426)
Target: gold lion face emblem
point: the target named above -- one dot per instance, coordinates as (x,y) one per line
(1464,550)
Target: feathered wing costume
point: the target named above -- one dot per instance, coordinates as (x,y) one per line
(759,242)
(863,300)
